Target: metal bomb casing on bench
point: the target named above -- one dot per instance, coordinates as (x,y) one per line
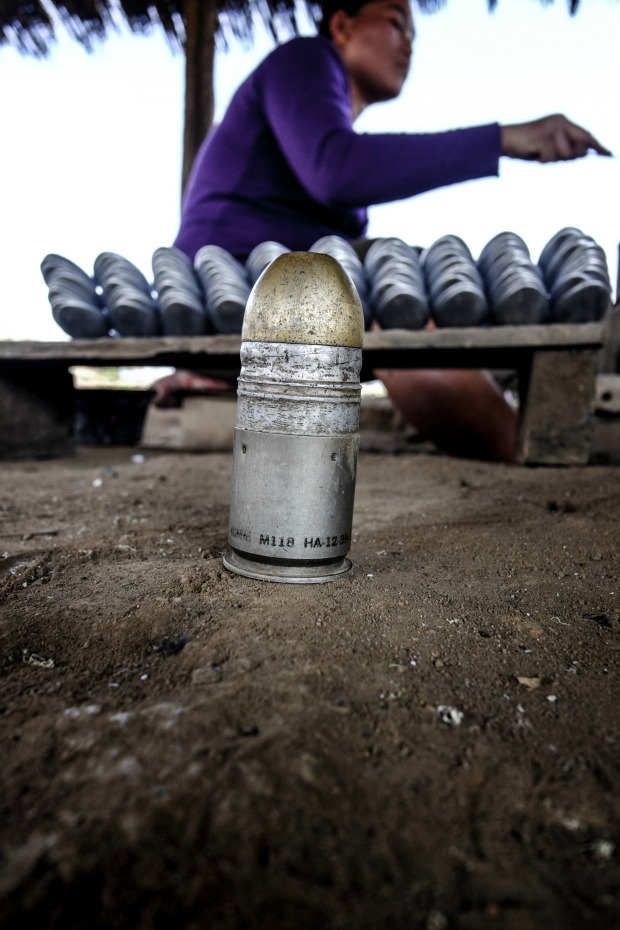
(297,434)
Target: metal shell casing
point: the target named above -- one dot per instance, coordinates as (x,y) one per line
(297,434)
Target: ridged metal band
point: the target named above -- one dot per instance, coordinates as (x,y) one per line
(296,388)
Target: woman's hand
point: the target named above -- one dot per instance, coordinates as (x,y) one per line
(552,138)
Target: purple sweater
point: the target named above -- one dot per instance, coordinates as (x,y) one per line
(285,163)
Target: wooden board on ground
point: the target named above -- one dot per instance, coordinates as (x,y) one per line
(202,423)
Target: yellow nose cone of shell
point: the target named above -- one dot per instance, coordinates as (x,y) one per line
(304,297)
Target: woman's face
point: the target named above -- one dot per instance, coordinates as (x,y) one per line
(375,45)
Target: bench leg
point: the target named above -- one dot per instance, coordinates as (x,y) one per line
(36,413)
(557,396)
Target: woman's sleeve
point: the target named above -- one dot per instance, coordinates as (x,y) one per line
(306,100)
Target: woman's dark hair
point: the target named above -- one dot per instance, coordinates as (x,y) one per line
(329,7)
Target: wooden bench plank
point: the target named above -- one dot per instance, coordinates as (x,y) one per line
(556,366)
(396,348)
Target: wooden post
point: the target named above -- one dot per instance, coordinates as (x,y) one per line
(36,412)
(556,408)
(610,353)
(200,23)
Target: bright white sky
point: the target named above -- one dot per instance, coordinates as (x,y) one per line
(91,144)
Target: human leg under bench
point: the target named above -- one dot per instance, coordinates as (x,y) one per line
(462,411)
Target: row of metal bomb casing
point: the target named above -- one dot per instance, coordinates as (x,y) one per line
(398,286)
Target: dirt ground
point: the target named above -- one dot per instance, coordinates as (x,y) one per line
(431,742)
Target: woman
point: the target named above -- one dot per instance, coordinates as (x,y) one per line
(285,164)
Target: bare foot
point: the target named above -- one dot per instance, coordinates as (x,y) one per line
(168,389)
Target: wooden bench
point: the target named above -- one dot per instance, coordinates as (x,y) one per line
(556,365)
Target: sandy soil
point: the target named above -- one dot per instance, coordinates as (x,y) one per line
(431,742)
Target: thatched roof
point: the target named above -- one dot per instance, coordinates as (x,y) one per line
(31,25)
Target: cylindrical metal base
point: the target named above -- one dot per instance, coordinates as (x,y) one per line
(288,574)
(291,506)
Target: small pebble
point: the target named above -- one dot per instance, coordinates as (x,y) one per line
(452,716)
